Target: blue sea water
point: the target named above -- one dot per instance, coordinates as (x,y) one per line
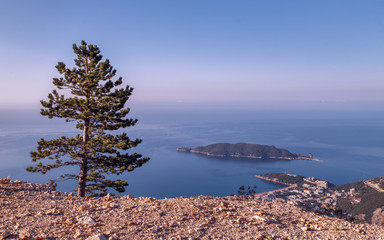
(350,143)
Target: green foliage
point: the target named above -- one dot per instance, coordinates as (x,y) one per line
(96,104)
(371,199)
(369,203)
(246,191)
(358,186)
(344,205)
(244,149)
(284,178)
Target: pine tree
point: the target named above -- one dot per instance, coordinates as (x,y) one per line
(98,108)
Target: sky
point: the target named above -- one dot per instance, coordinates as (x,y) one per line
(243,54)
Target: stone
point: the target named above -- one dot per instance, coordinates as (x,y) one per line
(26,206)
(24,234)
(97,237)
(378,216)
(129,196)
(260,218)
(85,220)
(4,234)
(241,220)
(304,228)
(77,234)
(108,197)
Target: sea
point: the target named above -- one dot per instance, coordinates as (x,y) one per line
(349,143)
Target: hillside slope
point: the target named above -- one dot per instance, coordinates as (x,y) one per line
(36,211)
(368,198)
(361,201)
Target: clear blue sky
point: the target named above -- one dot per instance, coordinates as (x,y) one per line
(259,53)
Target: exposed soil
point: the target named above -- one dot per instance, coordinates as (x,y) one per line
(31,211)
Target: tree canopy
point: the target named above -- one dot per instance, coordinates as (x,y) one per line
(92,97)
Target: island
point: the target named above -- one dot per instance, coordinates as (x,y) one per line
(246,150)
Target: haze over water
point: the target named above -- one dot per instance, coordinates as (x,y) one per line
(302,75)
(349,143)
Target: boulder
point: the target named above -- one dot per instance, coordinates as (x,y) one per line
(378,216)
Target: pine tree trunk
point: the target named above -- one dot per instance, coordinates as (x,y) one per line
(84,162)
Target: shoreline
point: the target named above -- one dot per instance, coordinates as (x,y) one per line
(249,157)
(273,180)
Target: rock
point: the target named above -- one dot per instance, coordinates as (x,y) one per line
(42,236)
(97,237)
(4,234)
(24,234)
(260,213)
(378,217)
(304,228)
(129,196)
(85,220)
(110,205)
(262,237)
(82,208)
(241,220)
(260,218)
(77,234)
(108,197)
(26,212)
(360,217)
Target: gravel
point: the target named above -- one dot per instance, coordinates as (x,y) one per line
(32,211)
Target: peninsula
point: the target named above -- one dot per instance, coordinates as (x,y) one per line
(245,150)
(361,201)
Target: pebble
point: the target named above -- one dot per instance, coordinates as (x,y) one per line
(97,237)
(24,234)
(4,234)
(86,220)
(26,206)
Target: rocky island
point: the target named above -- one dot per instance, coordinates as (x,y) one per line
(246,150)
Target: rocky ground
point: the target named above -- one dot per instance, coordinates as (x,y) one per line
(31,211)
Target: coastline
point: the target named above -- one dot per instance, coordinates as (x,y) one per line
(249,157)
(274,180)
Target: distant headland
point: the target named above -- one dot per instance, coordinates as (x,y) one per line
(246,150)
